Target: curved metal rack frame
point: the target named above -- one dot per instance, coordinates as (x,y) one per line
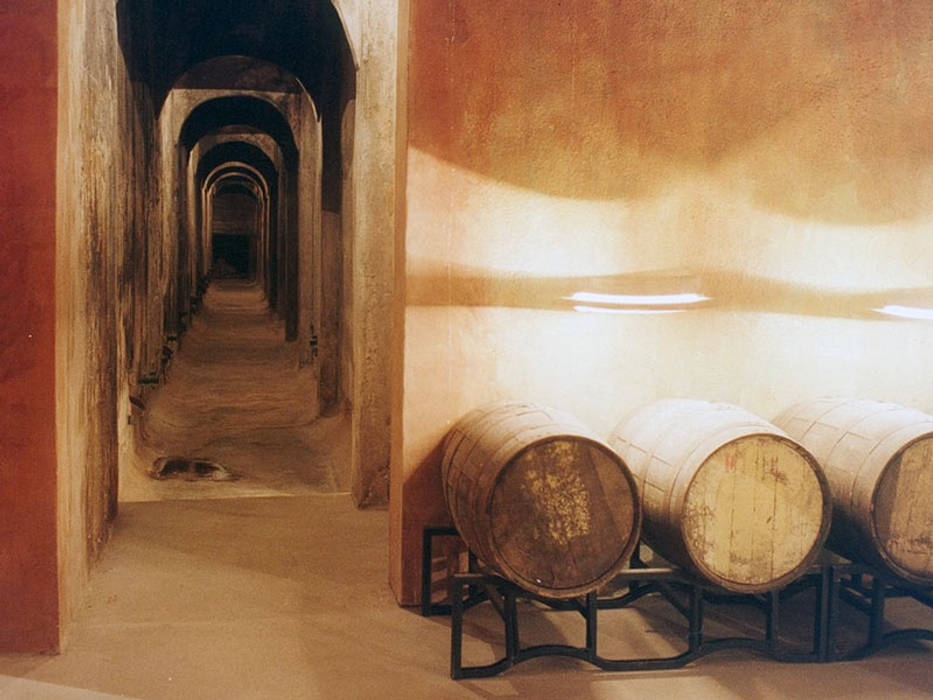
(835,581)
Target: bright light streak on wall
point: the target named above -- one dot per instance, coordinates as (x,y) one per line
(913,312)
(608,310)
(639,299)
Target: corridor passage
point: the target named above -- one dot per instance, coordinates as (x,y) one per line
(235,395)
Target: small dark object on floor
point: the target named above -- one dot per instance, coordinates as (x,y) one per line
(189,469)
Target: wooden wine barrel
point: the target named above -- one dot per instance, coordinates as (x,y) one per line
(878,458)
(539,499)
(725,493)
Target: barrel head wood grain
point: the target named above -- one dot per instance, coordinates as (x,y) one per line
(725,493)
(753,511)
(903,512)
(562,515)
(539,498)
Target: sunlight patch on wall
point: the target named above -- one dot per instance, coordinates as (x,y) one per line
(697,224)
(608,310)
(915,313)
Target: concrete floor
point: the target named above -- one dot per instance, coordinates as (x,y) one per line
(234,590)
(235,394)
(287,598)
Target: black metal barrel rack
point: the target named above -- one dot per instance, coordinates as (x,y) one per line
(838,587)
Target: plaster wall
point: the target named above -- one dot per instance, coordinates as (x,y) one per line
(311,238)
(373,187)
(28,102)
(775,159)
(330,298)
(352,15)
(347,232)
(200,253)
(104,199)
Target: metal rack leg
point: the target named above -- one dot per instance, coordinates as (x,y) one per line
(772,624)
(456,629)
(512,644)
(591,626)
(832,615)
(428,607)
(876,620)
(821,616)
(696,618)
(427,557)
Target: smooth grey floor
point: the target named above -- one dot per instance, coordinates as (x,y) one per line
(286,597)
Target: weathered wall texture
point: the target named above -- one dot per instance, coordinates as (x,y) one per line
(28,572)
(774,157)
(348,11)
(106,143)
(236,213)
(370,221)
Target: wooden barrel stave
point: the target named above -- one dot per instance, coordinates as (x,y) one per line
(669,446)
(882,517)
(470,482)
(518,479)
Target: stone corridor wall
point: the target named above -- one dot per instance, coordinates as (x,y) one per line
(108,330)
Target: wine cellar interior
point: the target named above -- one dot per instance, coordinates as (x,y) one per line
(595,330)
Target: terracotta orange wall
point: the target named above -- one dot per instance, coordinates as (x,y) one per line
(774,158)
(28,567)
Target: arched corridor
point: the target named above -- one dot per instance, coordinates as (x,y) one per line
(218,269)
(248,164)
(226,150)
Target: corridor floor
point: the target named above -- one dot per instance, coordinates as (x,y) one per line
(235,395)
(287,598)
